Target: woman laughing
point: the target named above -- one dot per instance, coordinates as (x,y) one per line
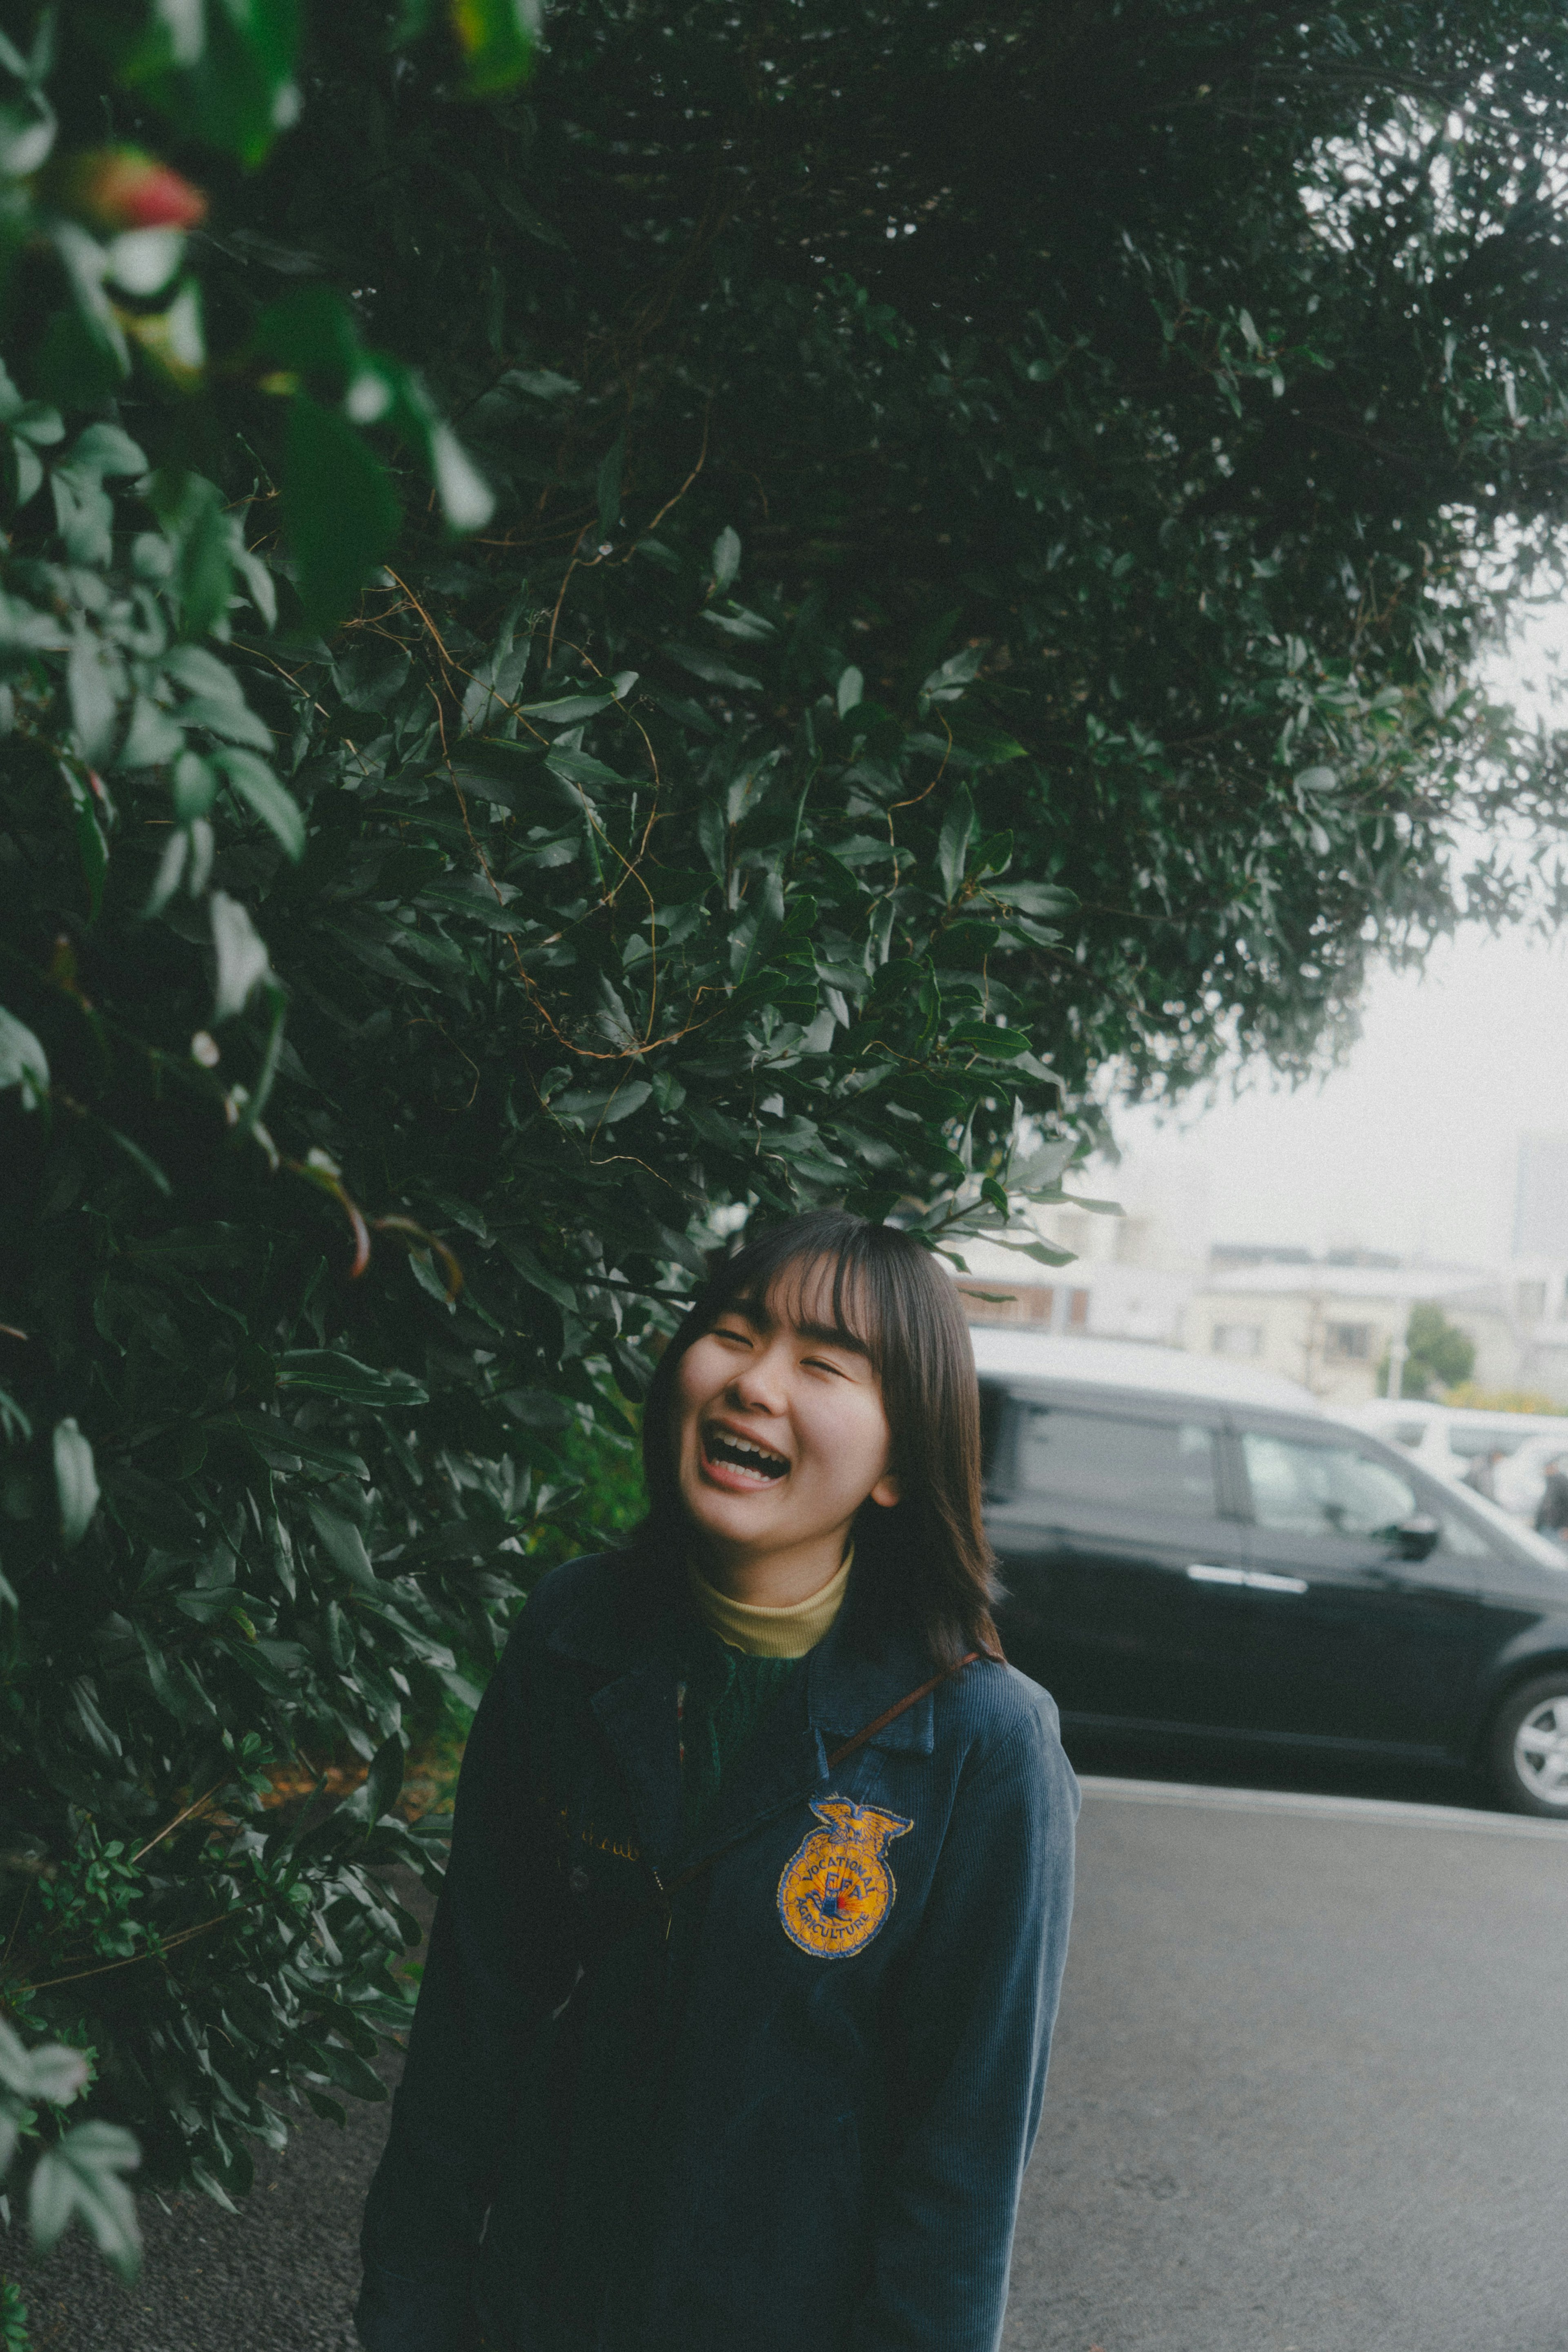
(734,2027)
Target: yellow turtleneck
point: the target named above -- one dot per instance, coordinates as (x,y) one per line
(762,1632)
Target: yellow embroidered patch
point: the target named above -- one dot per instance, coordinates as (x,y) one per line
(837,1890)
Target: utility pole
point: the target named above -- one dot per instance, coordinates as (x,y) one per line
(1399,1352)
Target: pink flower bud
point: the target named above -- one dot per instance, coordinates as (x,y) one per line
(116,188)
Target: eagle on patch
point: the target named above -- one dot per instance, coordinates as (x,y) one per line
(837,1888)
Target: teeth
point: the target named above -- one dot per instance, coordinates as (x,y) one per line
(745,1449)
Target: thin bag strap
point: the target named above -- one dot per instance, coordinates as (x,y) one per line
(668,1886)
(910,1699)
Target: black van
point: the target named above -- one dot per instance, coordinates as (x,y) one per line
(1186,1565)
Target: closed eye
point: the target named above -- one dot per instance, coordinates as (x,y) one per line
(822,1364)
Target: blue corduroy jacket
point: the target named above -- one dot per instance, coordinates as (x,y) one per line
(790,2101)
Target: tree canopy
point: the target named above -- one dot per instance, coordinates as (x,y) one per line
(729,621)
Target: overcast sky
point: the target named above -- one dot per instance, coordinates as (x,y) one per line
(1410,1146)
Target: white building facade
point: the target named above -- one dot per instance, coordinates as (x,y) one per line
(1333,1327)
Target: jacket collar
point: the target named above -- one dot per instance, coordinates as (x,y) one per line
(628,1619)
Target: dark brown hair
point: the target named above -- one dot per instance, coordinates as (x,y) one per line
(925,1560)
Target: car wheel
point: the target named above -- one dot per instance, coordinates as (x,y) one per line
(1530,1750)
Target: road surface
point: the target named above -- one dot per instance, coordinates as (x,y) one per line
(1309,2090)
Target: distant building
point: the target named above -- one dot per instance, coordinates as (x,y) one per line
(1153,1274)
(1330,1322)
(1539,1274)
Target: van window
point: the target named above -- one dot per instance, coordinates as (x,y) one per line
(1142,1465)
(1322,1490)
(1462,1537)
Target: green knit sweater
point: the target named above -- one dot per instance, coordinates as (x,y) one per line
(720,1702)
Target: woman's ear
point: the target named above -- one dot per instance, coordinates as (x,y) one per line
(887,1490)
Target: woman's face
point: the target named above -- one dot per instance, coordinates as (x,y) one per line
(781,1431)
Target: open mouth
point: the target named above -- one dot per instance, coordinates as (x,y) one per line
(722,1449)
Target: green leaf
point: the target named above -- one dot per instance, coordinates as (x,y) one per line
(92,674)
(79,2178)
(332,1374)
(240,954)
(60,2074)
(286,1448)
(105,448)
(16,1427)
(345,1545)
(709,665)
(194,786)
(23,1061)
(340,511)
(625,1101)
(26,133)
(1034,897)
(1042,1253)
(51,2073)
(141,262)
(140,1161)
(725,558)
(953,848)
(466,496)
(259,788)
(222,70)
(379,1792)
(339,1637)
(567,708)
(152,739)
(191,510)
(948,683)
(92,849)
(101,1734)
(84,353)
(76,1482)
(498,39)
(579,768)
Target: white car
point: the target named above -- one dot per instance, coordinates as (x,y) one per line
(1445,1440)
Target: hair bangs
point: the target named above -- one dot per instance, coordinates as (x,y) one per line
(831,1294)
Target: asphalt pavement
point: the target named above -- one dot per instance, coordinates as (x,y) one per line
(1310,2093)
(1310,2088)
(279,2275)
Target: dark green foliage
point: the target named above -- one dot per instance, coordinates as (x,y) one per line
(357,1136)
(883,673)
(1190,371)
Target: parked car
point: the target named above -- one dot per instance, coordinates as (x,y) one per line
(1181,1561)
(1445,1440)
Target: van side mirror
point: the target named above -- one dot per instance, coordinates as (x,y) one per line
(1415,1536)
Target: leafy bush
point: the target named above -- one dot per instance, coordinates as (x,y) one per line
(1438,1358)
(329,1226)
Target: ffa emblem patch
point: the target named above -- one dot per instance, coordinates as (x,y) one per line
(837,1889)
